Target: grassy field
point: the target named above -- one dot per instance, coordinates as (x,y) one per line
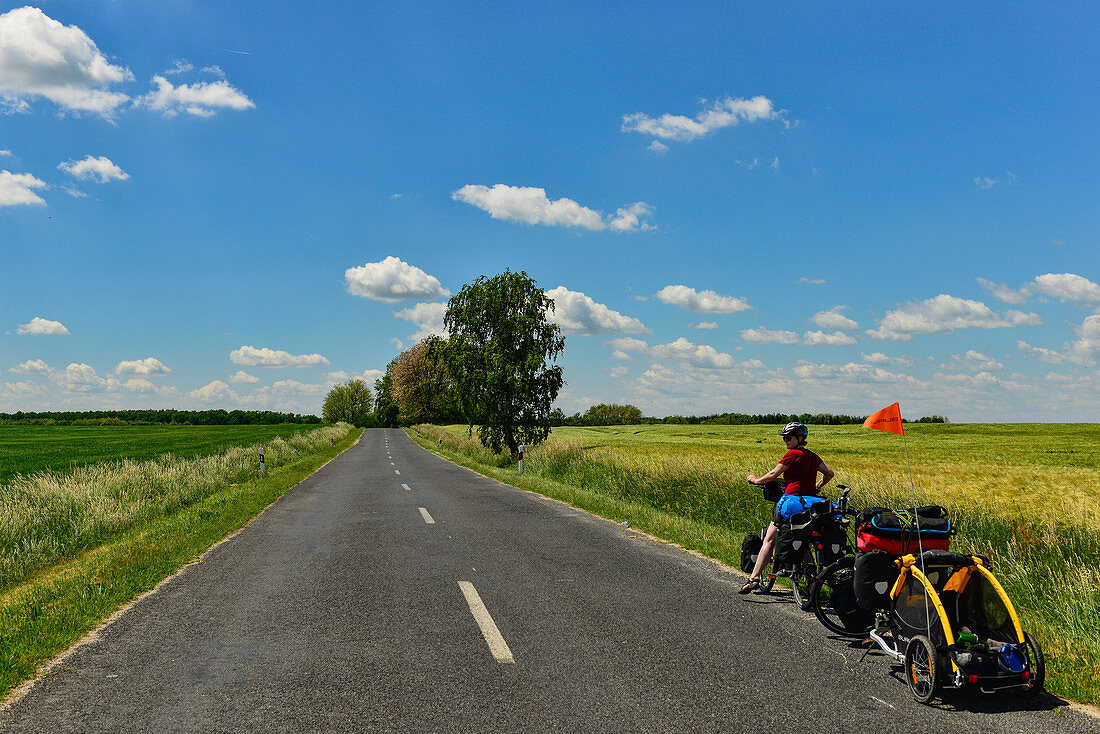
(1028,496)
(76,545)
(28,449)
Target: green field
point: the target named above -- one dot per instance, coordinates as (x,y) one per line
(28,449)
(1027,496)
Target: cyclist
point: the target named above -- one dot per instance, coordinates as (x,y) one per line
(800,467)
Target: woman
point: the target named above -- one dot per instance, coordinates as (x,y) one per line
(800,467)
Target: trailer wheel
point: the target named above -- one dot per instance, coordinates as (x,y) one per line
(922,669)
(1038,666)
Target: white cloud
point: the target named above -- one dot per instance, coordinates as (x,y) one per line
(74,192)
(723,113)
(768,336)
(977,362)
(32,367)
(81,378)
(143,367)
(658,147)
(704,325)
(43,326)
(819,338)
(18,188)
(618,371)
(5,153)
(833,319)
(1002,292)
(427,316)
(630,219)
(984,182)
(880,358)
(202,99)
(243,378)
(249,356)
(577,313)
(214,391)
(139,384)
(811,281)
(100,169)
(180,66)
(700,355)
(946,313)
(530,205)
(701,301)
(393,280)
(40,57)
(852,370)
(1068,287)
(1050,356)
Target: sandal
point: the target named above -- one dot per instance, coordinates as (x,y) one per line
(750,585)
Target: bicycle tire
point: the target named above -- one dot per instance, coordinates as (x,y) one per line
(801,581)
(835,577)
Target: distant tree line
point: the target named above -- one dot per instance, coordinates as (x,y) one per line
(617,415)
(156,417)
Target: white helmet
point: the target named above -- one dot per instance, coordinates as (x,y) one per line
(795,429)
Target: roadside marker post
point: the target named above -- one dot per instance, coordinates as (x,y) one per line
(521,458)
(263,469)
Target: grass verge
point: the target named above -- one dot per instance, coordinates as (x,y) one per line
(1050,569)
(51,609)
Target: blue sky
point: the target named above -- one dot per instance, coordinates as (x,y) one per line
(737,207)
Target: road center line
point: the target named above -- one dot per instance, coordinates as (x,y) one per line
(405,487)
(427,518)
(395,471)
(497,646)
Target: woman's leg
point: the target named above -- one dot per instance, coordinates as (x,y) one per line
(765,556)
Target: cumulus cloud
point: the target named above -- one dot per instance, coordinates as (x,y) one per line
(880,358)
(531,205)
(243,378)
(100,169)
(1002,292)
(147,367)
(393,280)
(427,316)
(701,301)
(1068,287)
(18,188)
(720,114)
(943,314)
(700,355)
(249,356)
(976,361)
(768,336)
(213,392)
(40,57)
(39,325)
(820,338)
(1082,351)
(850,371)
(833,319)
(811,281)
(32,367)
(202,99)
(658,147)
(81,378)
(577,313)
(704,325)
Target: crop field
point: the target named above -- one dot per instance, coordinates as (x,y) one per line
(1027,496)
(29,449)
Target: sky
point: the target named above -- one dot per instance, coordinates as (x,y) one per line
(749,207)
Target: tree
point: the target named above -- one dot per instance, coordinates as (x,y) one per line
(350,402)
(604,414)
(500,342)
(385,408)
(422,385)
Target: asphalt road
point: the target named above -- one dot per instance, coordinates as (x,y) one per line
(347,606)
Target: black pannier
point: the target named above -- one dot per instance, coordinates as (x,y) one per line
(750,551)
(792,540)
(833,541)
(875,575)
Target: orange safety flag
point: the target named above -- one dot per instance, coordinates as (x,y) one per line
(887,419)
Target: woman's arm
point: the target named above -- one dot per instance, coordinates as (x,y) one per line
(773,474)
(826,475)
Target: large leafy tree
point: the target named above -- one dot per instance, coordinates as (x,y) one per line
(500,346)
(350,402)
(385,407)
(421,383)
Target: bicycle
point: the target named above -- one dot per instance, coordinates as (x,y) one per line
(832,593)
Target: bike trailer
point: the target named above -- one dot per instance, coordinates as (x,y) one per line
(896,531)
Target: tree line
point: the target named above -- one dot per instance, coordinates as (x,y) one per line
(625,415)
(156,417)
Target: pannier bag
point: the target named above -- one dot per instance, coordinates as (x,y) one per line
(830,539)
(792,504)
(773,490)
(895,531)
(875,575)
(750,551)
(791,542)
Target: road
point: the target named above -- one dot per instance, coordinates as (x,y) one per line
(366,599)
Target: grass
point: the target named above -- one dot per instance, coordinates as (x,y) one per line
(27,449)
(105,533)
(1025,495)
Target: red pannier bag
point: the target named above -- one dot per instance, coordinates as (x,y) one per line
(895,531)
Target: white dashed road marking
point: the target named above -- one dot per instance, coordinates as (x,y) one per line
(497,646)
(427,518)
(405,487)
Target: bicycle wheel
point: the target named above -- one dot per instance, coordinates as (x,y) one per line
(801,580)
(1038,668)
(833,599)
(922,669)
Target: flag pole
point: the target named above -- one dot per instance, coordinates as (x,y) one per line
(916,522)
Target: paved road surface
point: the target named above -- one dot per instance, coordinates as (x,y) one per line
(350,606)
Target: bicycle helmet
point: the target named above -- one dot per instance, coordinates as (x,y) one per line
(795,429)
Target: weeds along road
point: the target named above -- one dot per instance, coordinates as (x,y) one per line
(393,591)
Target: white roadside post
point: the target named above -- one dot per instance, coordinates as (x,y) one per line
(521,458)
(263,469)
